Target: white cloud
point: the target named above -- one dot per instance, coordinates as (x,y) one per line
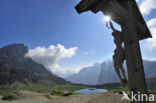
(137,0)
(147,6)
(51,56)
(88,52)
(150,58)
(151,42)
(152,23)
(69,71)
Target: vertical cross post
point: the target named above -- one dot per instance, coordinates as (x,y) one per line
(122,13)
(136,76)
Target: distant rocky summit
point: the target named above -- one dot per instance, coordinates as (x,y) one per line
(88,75)
(105,73)
(15,68)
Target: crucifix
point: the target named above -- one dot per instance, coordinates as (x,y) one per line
(127,14)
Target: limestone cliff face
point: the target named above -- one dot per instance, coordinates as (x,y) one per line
(105,73)
(14,66)
(13,53)
(88,75)
(100,73)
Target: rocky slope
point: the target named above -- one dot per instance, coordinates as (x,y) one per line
(15,67)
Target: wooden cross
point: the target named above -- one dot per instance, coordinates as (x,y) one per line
(127,14)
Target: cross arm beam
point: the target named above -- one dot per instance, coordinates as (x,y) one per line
(119,13)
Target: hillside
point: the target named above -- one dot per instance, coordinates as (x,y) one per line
(16,68)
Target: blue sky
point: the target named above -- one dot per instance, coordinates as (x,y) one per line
(41,23)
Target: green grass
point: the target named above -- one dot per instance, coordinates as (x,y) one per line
(48,96)
(9,93)
(117,90)
(9,96)
(69,87)
(7,90)
(152,91)
(56,90)
(12,93)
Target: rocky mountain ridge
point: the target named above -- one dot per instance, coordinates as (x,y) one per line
(105,73)
(15,67)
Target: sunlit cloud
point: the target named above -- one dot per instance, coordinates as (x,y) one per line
(137,0)
(88,52)
(151,42)
(147,6)
(51,56)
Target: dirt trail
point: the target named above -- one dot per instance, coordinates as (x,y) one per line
(31,97)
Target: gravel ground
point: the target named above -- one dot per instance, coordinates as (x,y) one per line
(32,97)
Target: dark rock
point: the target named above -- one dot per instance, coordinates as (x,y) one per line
(14,66)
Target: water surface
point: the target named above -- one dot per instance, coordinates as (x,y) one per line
(90,90)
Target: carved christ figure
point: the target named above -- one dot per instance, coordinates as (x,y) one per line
(119,55)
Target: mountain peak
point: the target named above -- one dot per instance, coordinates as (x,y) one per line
(13,51)
(22,69)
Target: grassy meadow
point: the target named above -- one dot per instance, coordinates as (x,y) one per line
(61,94)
